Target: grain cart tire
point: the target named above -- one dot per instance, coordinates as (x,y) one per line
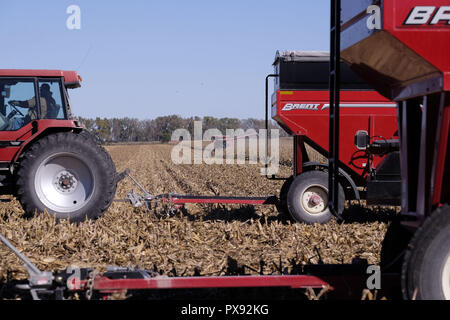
(307,198)
(67,174)
(426,267)
(283,208)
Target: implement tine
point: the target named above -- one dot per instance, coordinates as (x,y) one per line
(134,198)
(146,194)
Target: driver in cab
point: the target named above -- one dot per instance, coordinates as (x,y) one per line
(32,114)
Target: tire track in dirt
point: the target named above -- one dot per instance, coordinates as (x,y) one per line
(183,178)
(154,175)
(228,179)
(231,179)
(224,180)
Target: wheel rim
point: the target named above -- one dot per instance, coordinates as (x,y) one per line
(314,199)
(446,279)
(64,182)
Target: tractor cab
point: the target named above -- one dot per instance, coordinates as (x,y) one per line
(34,95)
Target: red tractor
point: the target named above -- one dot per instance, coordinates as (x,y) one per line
(47,160)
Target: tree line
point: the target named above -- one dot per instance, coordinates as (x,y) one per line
(160,129)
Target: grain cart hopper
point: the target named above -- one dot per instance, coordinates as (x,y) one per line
(47,160)
(300,105)
(402,49)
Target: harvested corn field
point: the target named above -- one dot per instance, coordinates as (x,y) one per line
(202,239)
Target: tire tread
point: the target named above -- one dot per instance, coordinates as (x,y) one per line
(80,143)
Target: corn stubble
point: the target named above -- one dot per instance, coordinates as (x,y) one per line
(202,239)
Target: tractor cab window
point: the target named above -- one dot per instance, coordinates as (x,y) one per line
(17,103)
(51,99)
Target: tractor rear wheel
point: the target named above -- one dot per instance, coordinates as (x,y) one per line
(307,198)
(67,174)
(426,267)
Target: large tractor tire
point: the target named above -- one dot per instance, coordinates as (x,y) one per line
(307,198)
(68,175)
(426,267)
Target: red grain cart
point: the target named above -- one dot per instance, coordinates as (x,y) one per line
(369,169)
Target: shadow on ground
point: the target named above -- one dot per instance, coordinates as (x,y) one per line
(348,281)
(242,214)
(355,213)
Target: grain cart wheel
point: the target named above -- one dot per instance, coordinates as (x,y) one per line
(67,174)
(426,267)
(307,198)
(282,207)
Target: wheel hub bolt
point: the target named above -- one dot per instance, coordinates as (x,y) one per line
(65,181)
(315,200)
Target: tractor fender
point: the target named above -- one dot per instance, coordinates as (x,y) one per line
(42,128)
(307,166)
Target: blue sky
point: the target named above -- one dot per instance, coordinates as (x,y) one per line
(145,59)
